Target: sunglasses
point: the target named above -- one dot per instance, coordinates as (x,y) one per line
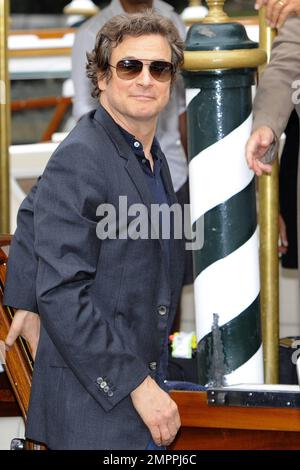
(160,70)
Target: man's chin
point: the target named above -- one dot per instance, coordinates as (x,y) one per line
(145,116)
(146,111)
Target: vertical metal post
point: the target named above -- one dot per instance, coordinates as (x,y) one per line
(4,118)
(268,222)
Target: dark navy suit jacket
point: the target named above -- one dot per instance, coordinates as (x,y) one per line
(105,305)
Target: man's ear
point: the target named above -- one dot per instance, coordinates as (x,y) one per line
(102,82)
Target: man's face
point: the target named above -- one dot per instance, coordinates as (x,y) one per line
(143,97)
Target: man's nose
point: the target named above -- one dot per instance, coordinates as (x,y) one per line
(145,78)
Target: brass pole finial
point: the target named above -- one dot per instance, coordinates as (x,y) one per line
(216,14)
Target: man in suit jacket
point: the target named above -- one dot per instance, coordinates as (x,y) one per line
(278,94)
(106,302)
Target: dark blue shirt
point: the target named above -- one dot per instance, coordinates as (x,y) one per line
(152,178)
(159,196)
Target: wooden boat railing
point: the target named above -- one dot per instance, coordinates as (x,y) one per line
(18,361)
(60,104)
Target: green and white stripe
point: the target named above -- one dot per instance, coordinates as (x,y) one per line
(222,189)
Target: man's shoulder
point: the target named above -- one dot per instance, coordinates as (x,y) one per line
(88,141)
(90,129)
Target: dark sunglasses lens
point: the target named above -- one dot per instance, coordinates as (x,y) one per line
(128,69)
(161,70)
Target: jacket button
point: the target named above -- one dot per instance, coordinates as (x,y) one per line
(103,384)
(110,393)
(99,380)
(162,309)
(152,365)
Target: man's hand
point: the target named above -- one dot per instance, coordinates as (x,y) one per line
(27,325)
(158,411)
(277,11)
(257,145)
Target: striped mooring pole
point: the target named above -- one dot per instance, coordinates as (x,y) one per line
(219,69)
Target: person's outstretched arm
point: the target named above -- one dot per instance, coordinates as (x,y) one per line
(277,11)
(276,96)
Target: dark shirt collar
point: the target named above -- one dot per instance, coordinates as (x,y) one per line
(137,146)
(130,139)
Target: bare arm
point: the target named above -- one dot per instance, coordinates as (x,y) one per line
(275,96)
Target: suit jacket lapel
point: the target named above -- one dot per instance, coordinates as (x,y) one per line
(131,165)
(133,168)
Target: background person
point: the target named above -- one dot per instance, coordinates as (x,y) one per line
(277,96)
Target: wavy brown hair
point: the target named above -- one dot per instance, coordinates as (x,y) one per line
(116,29)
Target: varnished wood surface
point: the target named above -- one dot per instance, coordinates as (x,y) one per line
(51,51)
(18,365)
(14,399)
(8,404)
(5,240)
(233,439)
(39,103)
(61,104)
(198,413)
(223,427)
